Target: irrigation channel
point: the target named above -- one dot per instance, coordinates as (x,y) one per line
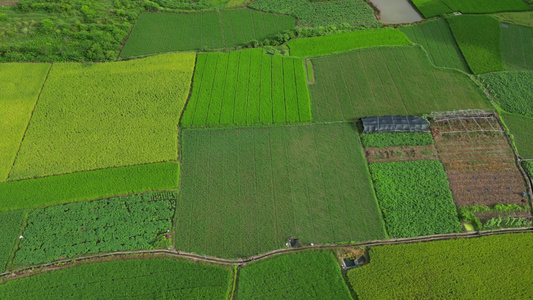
(59,264)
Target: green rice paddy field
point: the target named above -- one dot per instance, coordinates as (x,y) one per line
(166,32)
(246,190)
(247,87)
(388,81)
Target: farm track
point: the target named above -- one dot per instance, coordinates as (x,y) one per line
(60,264)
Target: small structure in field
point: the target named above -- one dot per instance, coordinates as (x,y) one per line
(394,124)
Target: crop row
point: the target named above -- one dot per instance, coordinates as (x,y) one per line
(382,140)
(415,198)
(39,192)
(247,87)
(432,8)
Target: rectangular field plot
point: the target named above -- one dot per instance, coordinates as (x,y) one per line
(128,279)
(11,223)
(517,47)
(244,191)
(437,39)
(521,128)
(453,269)
(387,81)
(166,32)
(20,85)
(247,87)
(307,275)
(431,8)
(95,116)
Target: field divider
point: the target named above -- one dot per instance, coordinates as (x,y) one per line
(60,264)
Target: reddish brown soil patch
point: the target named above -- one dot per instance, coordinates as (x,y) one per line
(480,163)
(400,153)
(8,2)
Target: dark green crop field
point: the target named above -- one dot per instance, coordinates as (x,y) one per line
(308,275)
(246,190)
(387,81)
(11,223)
(167,32)
(487,268)
(431,8)
(132,279)
(437,39)
(247,87)
(517,47)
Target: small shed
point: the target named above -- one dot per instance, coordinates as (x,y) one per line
(394,124)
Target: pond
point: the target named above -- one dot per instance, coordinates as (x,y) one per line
(397,11)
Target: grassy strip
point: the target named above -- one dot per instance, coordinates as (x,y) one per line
(40,192)
(20,85)
(324,45)
(307,275)
(10,223)
(132,279)
(415,198)
(383,140)
(479,38)
(512,91)
(518,18)
(432,8)
(487,268)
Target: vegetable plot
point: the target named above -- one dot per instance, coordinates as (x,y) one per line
(11,223)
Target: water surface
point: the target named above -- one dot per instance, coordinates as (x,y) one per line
(397,11)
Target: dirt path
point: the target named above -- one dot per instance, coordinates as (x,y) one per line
(61,264)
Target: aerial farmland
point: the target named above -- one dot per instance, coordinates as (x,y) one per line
(266,149)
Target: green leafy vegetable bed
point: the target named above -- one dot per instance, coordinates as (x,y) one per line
(388,139)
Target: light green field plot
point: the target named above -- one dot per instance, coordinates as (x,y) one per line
(106,115)
(335,43)
(437,39)
(520,128)
(517,47)
(479,38)
(247,87)
(132,222)
(387,81)
(40,192)
(512,91)
(132,279)
(11,223)
(487,268)
(244,191)
(431,8)
(20,85)
(308,275)
(166,32)
(321,13)
(519,18)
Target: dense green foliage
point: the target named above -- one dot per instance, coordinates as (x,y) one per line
(437,39)
(10,223)
(520,128)
(131,279)
(415,198)
(431,8)
(513,91)
(517,47)
(528,165)
(321,13)
(388,139)
(479,38)
(479,268)
(307,275)
(244,191)
(20,85)
(247,87)
(165,32)
(388,81)
(87,185)
(106,115)
(137,222)
(347,41)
